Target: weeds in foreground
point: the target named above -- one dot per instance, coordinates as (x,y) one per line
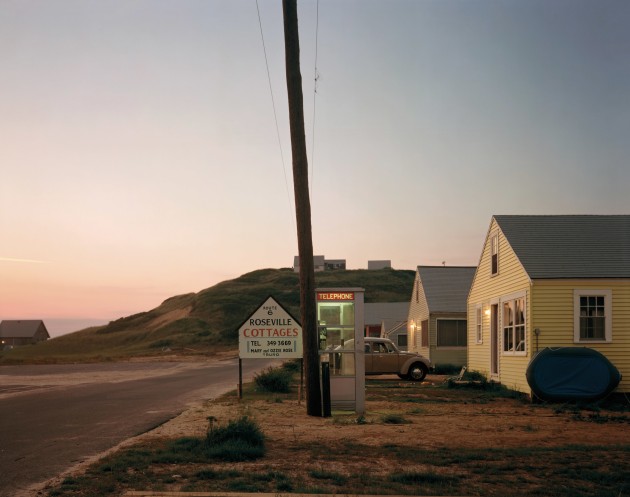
(565,471)
(332,476)
(394,419)
(275,380)
(188,465)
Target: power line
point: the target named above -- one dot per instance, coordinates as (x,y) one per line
(275,116)
(315,78)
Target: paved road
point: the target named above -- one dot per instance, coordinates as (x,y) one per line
(48,422)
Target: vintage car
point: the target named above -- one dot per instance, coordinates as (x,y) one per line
(383,357)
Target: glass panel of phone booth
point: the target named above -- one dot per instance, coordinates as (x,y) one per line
(336,336)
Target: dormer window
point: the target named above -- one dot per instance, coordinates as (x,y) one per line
(494,254)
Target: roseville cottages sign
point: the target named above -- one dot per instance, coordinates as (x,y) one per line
(270,332)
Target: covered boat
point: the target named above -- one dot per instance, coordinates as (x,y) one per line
(571,374)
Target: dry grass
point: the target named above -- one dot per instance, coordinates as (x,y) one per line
(453,442)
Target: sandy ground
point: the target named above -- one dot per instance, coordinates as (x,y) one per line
(500,423)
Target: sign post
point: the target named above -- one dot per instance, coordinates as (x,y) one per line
(271,332)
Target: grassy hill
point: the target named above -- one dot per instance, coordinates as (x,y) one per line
(205,322)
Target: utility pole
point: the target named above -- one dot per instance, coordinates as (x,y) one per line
(310,342)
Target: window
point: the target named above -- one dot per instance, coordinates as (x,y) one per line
(514,326)
(479,324)
(592,315)
(424,333)
(402,341)
(451,332)
(494,254)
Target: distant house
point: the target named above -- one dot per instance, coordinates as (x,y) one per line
(334,264)
(382,319)
(550,281)
(373,265)
(22,332)
(320,263)
(437,313)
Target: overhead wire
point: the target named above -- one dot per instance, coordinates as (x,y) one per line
(275,115)
(315,80)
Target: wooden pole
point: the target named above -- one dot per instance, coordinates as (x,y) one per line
(240,378)
(310,343)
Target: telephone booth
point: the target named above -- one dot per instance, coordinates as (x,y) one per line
(341,344)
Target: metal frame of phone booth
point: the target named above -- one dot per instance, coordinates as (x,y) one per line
(340,316)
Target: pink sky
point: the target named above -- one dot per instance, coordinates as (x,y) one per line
(140,158)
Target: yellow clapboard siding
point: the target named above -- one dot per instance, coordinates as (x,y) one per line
(549,307)
(553,303)
(511,279)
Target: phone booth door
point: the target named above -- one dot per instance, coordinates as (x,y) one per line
(340,327)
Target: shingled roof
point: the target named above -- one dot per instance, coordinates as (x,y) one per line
(570,246)
(446,287)
(23,328)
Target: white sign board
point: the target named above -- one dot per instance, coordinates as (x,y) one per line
(270,332)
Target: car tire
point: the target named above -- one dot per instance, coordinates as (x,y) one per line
(403,376)
(417,371)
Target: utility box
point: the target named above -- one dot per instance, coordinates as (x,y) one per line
(340,327)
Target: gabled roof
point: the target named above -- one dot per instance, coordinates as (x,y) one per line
(375,313)
(397,328)
(570,246)
(24,328)
(446,287)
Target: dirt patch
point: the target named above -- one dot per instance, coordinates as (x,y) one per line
(169,317)
(406,429)
(454,419)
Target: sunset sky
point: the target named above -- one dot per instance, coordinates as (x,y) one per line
(140,158)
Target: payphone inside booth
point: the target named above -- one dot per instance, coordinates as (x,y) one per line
(341,344)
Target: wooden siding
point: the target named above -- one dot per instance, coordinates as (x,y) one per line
(418,312)
(552,303)
(549,308)
(487,289)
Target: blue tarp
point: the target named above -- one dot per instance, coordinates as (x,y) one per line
(571,373)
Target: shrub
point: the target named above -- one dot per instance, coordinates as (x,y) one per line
(277,380)
(240,440)
(472,380)
(446,369)
(292,366)
(235,450)
(394,419)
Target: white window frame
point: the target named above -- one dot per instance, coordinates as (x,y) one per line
(607,294)
(479,323)
(501,329)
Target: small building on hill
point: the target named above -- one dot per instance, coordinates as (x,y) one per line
(384,264)
(14,333)
(320,263)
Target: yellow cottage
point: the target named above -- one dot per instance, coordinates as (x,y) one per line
(550,281)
